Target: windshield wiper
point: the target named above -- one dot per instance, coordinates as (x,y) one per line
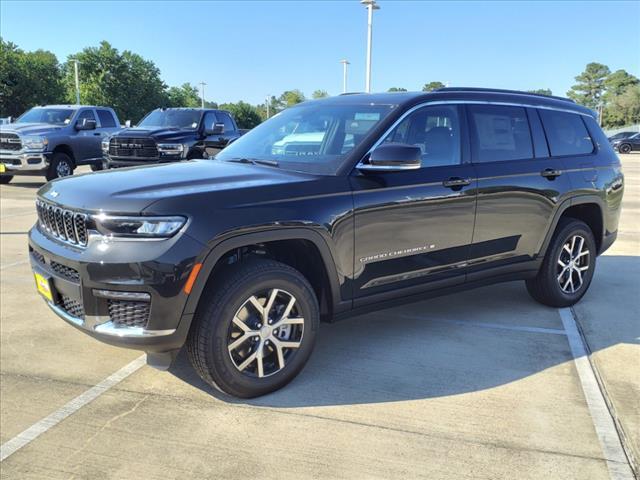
(255,161)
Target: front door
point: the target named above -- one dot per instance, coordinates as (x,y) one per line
(414,227)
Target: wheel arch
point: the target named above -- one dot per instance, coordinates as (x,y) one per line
(287,244)
(589,209)
(66,149)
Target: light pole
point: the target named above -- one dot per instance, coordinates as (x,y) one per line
(267,102)
(371,6)
(202,84)
(345,64)
(75,68)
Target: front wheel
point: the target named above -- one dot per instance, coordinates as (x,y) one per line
(624,148)
(254,332)
(61,166)
(568,266)
(4,179)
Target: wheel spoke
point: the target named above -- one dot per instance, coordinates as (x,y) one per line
(566,285)
(257,305)
(562,264)
(289,307)
(583,269)
(580,245)
(240,324)
(269,306)
(280,355)
(292,321)
(248,360)
(288,344)
(260,363)
(583,253)
(239,341)
(579,277)
(573,245)
(566,247)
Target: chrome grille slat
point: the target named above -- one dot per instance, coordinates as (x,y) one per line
(66,225)
(10,141)
(133,147)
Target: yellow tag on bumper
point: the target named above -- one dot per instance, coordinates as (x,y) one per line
(2,168)
(44,287)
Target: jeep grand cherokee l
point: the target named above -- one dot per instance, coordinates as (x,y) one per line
(401,196)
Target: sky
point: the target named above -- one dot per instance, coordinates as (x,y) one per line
(247,50)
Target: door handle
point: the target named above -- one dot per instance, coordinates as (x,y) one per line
(456,182)
(97,134)
(550,173)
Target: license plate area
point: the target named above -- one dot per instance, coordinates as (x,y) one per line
(45,287)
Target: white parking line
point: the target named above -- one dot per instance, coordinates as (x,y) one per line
(499,326)
(617,461)
(27,436)
(14,264)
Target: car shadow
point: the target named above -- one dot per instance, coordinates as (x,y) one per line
(450,345)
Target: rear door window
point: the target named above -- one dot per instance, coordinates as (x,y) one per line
(228,123)
(500,133)
(106,119)
(87,114)
(566,133)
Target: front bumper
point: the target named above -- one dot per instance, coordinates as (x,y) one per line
(118,162)
(127,294)
(19,162)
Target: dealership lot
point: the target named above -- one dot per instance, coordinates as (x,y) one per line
(481,384)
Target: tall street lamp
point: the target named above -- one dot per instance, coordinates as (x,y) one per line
(77,78)
(345,64)
(202,84)
(371,6)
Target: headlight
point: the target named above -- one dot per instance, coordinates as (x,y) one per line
(105,145)
(134,227)
(34,142)
(170,148)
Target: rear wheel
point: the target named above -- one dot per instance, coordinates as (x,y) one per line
(4,179)
(61,166)
(256,330)
(568,267)
(624,148)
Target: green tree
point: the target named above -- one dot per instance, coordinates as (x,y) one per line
(125,81)
(27,79)
(247,116)
(623,109)
(431,86)
(319,94)
(184,96)
(618,81)
(397,89)
(290,98)
(590,85)
(541,91)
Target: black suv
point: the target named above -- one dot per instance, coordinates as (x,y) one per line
(332,207)
(171,135)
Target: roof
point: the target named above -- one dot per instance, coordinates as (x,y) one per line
(462,94)
(70,107)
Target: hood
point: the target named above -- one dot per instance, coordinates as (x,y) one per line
(30,128)
(158,134)
(131,190)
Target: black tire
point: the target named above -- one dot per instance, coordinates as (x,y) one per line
(546,287)
(624,148)
(61,166)
(96,167)
(4,179)
(213,328)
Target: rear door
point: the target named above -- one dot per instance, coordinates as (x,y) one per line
(519,187)
(88,142)
(213,143)
(414,227)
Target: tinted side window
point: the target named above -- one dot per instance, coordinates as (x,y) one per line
(88,114)
(566,133)
(106,119)
(436,130)
(228,123)
(209,120)
(500,133)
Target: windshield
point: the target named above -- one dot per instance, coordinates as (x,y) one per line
(312,138)
(55,116)
(171,119)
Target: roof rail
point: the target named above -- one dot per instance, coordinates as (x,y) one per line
(498,90)
(350,93)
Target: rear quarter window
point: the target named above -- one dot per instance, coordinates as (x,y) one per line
(566,133)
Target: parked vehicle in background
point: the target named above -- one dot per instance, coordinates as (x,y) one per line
(627,144)
(53,140)
(171,135)
(380,198)
(621,136)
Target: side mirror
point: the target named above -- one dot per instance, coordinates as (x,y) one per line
(218,129)
(86,124)
(127,124)
(393,157)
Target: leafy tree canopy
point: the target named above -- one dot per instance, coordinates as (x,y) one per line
(246,115)
(431,86)
(541,91)
(184,96)
(397,89)
(590,85)
(319,94)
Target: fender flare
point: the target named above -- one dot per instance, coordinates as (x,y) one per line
(571,202)
(214,254)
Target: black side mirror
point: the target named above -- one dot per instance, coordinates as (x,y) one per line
(393,157)
(86,124)
(218,129)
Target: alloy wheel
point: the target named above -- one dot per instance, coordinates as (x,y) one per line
(265,333)
(573,263)
(63,169)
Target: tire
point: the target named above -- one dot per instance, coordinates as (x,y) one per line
(560,283)
(61,166)
(624,148)
(4,179)
(96,167)
(226,314)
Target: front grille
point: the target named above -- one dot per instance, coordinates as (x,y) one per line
(72,307)
(67,225)
(133,147)
(64,271)
(125,313)
(10,141)
(38,256)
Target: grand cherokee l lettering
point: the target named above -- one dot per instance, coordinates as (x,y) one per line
(330,208)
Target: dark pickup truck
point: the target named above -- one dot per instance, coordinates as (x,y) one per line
(171,135)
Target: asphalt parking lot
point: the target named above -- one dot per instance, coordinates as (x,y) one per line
(482,384)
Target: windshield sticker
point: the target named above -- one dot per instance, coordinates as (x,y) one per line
(371,116)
